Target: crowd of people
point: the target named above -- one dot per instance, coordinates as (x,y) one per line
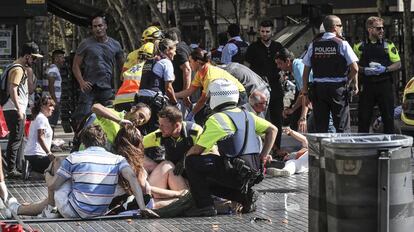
(168,135)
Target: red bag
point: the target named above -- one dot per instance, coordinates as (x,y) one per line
(4,131)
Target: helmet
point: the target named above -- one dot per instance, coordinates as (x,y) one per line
(222,91)
(151,33)
(146,50)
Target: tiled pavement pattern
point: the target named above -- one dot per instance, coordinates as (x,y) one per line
(292,216)
(271,205)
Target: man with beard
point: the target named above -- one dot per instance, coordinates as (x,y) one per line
(261,57)
(378,59)
(15,107)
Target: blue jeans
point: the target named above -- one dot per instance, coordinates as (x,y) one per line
(87,99)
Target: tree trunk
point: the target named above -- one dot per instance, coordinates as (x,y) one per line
(131,22)
(116,6)
(209,29)
(408,38)
(154,9)
(65,42)
(176,9)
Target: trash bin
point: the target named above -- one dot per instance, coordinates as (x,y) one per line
(317,197)
(369,183)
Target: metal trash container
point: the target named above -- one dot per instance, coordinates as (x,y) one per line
(317,197)
(369,183)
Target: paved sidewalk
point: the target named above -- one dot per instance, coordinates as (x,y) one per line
(283,200)
(282,206)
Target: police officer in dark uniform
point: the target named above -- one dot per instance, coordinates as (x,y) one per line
(378,58)
(232,173)
(156,89)
(334,69)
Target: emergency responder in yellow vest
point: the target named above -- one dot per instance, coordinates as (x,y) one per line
(151,34)
(124,98)
(231,174)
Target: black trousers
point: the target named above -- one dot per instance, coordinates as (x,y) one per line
(208,176)
(376,93)
(331,98)
(38,163)
(275,113)
(14,145)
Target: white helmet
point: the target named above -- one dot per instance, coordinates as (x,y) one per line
(222,91)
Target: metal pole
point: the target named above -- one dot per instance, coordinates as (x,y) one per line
(383,190)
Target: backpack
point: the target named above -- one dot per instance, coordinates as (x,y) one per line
(4,93)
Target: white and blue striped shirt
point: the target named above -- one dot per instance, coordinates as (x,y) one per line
(94,174)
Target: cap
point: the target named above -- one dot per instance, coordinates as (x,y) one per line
(32,49)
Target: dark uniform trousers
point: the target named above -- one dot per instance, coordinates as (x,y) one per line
(208,176)
(275,112)
(373,93)
(331,98)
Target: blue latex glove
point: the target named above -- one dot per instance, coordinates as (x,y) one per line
(190,117)
(369,71)
(379,70)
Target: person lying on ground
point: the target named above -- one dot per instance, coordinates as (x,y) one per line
(296,162)
(85,182)
(128,144)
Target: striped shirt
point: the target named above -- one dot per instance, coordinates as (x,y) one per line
(94,174)
(53,71)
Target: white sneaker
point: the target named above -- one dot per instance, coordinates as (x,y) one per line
(2,206)
(49,212)
(13,206)
(277,172)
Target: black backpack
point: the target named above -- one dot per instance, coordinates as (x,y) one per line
(4,93)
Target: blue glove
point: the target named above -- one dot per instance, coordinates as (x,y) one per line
(369,71)
(190,117)
(380,70)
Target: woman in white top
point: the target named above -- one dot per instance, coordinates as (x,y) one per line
(37,150)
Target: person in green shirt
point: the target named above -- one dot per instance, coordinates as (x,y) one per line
(231,174)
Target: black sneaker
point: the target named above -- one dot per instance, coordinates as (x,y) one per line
(208,211)
(14,174)
(250,202)
(275,164)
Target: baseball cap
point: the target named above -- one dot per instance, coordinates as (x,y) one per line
(32,49)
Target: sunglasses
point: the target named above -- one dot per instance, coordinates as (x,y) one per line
(338,25)
(378,28)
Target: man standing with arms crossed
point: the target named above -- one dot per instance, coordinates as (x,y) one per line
(334,67)
(378,58)
(98,56)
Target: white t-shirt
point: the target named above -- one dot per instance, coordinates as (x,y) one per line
(33,146)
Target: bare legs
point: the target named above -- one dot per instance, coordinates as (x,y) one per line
(164,178)
(36,208)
